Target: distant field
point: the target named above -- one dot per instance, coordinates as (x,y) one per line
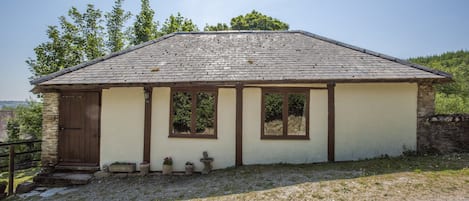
(11,104)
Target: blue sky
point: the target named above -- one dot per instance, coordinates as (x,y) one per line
(399,28)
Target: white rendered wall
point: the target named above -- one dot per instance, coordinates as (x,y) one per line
(374,119)
(122,119)
(181,150)
(257,151)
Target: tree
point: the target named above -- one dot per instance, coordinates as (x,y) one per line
(257,21)
(26,123)
(115,21)
(145,28)
(78,40)
(251,21)
(178,23)
(218,27)
(450,97)
(90,31)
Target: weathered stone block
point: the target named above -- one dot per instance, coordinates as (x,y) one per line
(25,187)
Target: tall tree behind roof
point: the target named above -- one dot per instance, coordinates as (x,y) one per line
(78,40)
(115,21)
(145,28)
(178,23)
(251,21)
(257,21)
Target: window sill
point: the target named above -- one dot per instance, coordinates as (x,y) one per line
(192,136)
(284,137)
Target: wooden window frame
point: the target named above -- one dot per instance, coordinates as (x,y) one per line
(193,92)
(284,92)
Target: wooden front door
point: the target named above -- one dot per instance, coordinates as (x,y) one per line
(79,128)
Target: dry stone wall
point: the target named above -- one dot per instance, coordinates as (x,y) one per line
(445,134)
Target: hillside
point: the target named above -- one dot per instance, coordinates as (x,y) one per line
(452,97)
(11,104)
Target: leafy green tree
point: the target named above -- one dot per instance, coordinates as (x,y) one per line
(115,21)
(54,55)
(90,30)
(218,27)
(251,21)
(257,21)
(13,130)
(26,123)
(178,23)
(450,97)
(144,28)
(78,40)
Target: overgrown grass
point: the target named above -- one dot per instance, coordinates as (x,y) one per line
(20,176)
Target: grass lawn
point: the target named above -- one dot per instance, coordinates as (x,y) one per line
(443,177)
(20,176)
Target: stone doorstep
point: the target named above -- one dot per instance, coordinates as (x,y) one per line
(90,169)
(63,179)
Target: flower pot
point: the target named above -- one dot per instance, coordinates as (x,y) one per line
(189,169)
(167,169)
(144,168)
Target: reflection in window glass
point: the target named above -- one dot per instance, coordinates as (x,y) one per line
(296,114)
(205,113)
(182,112)
(273,123)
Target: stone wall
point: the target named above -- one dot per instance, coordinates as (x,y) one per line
(50,128)
(444,134)
(425,109)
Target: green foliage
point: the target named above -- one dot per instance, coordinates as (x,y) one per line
(177,24)
(145,28)
(74,42)
(13,130)
(115,21)
(257,21)
(27,122)
(251,21)
(450,97)
(218,27)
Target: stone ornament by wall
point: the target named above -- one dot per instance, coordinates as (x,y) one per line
(50,128)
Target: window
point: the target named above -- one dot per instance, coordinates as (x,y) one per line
(285,113)
(193,113)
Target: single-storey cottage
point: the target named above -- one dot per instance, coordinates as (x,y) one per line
(246,97)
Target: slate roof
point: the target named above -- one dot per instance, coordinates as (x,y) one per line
(241,56)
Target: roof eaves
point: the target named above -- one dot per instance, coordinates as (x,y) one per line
(373,53)
(97,60)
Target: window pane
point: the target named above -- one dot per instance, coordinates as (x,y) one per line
(205,116)
(296,114)
(273,124)
(182,112)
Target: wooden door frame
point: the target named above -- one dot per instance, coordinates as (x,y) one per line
(61,93)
